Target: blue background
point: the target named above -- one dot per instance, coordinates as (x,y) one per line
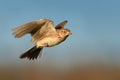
(95,27)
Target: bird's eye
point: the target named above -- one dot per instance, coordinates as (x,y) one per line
(64,31)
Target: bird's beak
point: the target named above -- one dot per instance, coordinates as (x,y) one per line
(70,33)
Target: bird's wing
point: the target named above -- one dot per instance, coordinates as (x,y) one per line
(35,28)
(61,25)
(46,30)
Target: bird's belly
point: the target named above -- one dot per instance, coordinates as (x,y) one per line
(48,42)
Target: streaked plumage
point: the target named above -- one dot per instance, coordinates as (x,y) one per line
(43,33)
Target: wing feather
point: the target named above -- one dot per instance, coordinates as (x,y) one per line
(30,27)
(61,25)
(35,28)
(46,30)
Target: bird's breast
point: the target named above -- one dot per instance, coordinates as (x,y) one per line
(48,42)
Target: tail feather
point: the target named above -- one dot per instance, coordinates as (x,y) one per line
(33,53)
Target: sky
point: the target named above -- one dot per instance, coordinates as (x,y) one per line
(94,25)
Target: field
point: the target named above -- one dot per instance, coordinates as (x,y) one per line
(52,73)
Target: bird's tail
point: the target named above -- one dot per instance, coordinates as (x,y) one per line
(32,53)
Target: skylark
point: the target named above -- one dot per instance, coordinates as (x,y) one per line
(43,33)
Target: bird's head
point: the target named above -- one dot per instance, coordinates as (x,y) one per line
(64,32)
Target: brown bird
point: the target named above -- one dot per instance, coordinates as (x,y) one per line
(43,33)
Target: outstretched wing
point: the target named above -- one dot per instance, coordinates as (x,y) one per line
(61,25)
(36,28)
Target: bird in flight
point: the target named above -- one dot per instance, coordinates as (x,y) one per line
(43,34)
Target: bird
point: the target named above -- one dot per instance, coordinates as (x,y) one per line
(43,33)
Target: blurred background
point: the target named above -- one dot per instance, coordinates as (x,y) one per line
(92,52)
